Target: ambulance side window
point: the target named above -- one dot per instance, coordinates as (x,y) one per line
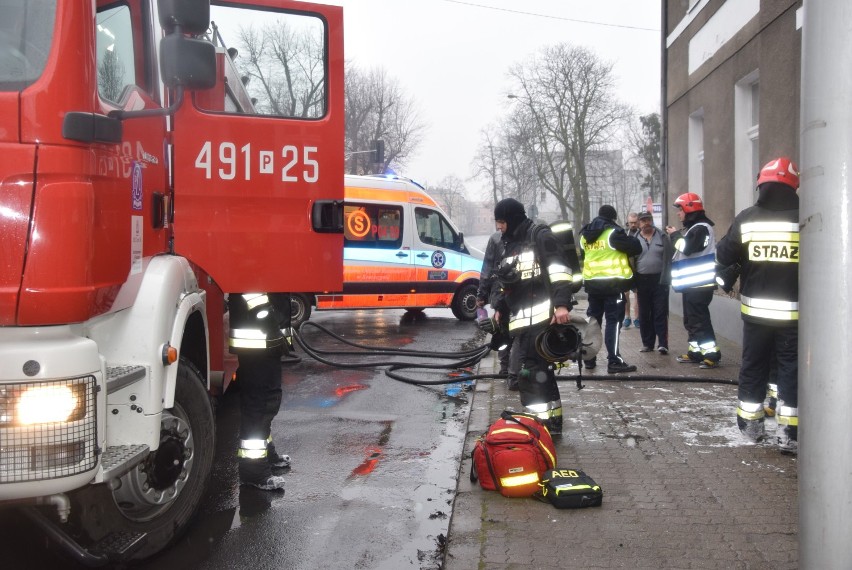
(434,229)
(372,226)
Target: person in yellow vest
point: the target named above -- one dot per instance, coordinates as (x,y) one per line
(694,275)
(607,275)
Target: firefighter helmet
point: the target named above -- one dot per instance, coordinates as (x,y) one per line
(689,202)
(781,170)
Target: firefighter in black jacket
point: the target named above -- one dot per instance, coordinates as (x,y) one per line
(607,274)
(536,292)
(259,335)
(764,241)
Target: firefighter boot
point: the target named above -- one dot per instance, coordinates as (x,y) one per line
(752,429)
(771,401)
(276,460)
(787,434)
(257,473)
(554,424)
(787,438)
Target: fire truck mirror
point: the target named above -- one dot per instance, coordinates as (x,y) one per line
(187,62)
(191,16)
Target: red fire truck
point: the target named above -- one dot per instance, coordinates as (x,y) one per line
(147,167)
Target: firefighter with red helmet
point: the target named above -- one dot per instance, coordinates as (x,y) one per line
(694,275)
(764,241)
(259,335)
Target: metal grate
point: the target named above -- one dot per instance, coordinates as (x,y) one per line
(32,448)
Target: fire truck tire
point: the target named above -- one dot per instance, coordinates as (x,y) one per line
(464,302)
(180,468)
(300,309)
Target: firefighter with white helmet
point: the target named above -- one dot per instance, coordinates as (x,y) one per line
(764,241)
(694,275)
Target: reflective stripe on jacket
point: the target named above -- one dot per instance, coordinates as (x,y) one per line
(765,241)
(697,269)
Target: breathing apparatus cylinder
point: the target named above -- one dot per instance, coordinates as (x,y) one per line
(577,340)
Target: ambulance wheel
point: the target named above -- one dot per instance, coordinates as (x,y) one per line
(160,495)
(464,303)
(300,309)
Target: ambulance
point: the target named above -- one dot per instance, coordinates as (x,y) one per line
(400,250)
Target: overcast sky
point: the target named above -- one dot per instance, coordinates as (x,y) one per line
(452,56)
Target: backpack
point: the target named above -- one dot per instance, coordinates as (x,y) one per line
(512,455)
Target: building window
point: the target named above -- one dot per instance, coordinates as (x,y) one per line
(696,152)
(746,140)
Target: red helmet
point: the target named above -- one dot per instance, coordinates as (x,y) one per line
(689,202)
(781,170)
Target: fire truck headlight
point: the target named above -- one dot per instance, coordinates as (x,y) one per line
(45,404)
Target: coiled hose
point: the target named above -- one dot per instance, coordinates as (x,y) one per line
(457,360)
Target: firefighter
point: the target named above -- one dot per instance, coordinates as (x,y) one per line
(694,275)
(764,240)
(259,335)
(607,276)
(536,292)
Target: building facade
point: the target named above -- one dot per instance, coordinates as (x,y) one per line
(731,87)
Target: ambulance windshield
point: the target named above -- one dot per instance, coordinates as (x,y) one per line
(26,28)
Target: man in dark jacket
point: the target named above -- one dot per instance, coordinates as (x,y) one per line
(535,292)
(764,241)
(607,274)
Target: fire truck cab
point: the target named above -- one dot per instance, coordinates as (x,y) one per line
(145,175)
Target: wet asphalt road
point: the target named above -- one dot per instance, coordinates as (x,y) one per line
(375,464)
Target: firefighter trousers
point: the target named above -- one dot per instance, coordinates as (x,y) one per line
(696,321)
(537,382)
(259,378)
(759,342)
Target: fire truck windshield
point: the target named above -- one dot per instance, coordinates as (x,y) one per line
(25,35)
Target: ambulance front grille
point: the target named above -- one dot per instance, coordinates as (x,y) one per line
(34,450)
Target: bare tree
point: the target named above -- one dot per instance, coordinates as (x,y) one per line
(110,76)
(450,192)
(502,161)
(377,108)
(569,108)
(487,162)
(645,141)
(285,68)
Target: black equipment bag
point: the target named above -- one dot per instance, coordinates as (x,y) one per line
(569,489)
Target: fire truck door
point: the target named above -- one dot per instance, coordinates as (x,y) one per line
(258,166)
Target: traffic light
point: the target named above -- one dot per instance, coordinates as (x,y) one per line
(379,151)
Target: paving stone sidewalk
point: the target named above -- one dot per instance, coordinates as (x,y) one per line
(682,488)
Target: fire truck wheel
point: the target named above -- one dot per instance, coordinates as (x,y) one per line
(300,309)
(464,302)
(160,496)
